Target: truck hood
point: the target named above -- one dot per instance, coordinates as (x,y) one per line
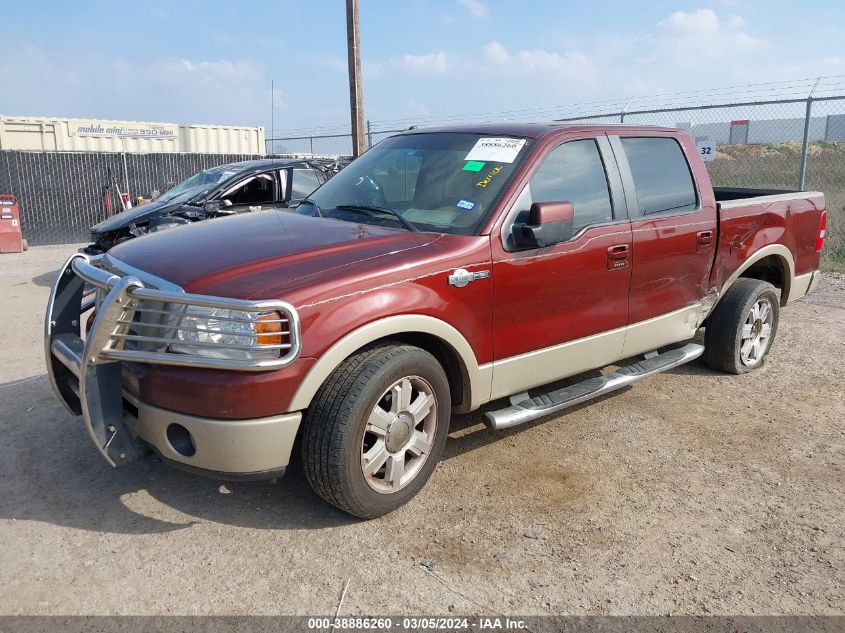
(140,214)
(243,255)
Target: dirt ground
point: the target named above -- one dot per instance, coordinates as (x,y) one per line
(690,493)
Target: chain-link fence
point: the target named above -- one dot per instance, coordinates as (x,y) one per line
(795,143)
(314,145)
(60,193)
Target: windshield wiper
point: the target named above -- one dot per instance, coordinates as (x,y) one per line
(316,206)
(362,207)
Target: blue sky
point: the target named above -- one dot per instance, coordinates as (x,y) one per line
(192,61)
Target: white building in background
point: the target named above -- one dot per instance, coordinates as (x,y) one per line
(140,137)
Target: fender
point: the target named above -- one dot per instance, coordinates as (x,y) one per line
(479,378)
(783,254)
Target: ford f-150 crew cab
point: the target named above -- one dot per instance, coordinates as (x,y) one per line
(444,269)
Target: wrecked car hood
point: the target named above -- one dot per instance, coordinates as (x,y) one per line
(138,215)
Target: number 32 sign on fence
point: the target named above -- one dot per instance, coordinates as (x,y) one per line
(706,149)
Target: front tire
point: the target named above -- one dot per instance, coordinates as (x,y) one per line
(739,333)
(376,429)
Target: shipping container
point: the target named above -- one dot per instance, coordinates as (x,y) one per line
(100,135)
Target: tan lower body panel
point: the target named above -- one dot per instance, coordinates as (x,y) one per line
(223,446)
(666,329)
(802,285)
(542,366)
(533,369)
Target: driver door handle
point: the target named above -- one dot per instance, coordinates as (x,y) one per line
(617,256)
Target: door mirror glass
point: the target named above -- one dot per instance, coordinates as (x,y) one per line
(548,223)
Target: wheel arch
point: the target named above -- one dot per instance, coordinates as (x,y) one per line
(468,381)
(773,263)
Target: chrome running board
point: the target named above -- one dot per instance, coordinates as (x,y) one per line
(544,404)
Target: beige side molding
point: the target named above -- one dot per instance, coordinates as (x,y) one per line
(543,366)
(781,252)
(673,327)
(477,378)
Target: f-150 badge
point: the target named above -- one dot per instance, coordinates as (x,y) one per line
(461,277)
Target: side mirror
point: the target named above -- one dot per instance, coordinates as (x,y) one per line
(211,206)
(548,223)
(218,207)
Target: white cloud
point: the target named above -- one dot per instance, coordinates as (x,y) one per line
(571,65)
(180,90)
(497,53)
(701,34)
(224,71)
(422,64)
(476,8)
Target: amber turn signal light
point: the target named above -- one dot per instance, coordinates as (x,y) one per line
(269,329)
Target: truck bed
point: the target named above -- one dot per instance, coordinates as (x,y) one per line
(784,223)
(728,194)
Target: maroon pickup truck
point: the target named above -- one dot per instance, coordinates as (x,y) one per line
(445,269)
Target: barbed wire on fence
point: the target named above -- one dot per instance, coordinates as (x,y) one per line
(825,85)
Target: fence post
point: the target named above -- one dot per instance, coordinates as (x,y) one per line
(805,143)
(624,110)
(126,177)
(369,134)
(311,142)
(805,146)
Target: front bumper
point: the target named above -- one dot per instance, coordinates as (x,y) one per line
(86,373)
(228,449)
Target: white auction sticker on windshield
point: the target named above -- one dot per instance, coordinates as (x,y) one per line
(496,149)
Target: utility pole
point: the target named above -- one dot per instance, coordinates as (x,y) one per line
(356,92)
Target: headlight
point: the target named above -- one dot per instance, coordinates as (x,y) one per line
(231,334)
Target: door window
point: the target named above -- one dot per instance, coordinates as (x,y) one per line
(661,174)
(572,172)
(304,181)
(259,189)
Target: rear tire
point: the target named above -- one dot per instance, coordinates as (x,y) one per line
(376,429)
(741,329)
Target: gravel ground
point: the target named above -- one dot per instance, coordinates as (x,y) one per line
(691,493)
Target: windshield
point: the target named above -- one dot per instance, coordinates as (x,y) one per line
(198,183)
(446,182)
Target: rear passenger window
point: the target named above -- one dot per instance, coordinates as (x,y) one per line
(574,172)
(661,175)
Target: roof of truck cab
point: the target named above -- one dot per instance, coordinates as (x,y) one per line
(530,130)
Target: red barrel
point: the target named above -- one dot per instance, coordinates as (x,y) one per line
(11,238)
